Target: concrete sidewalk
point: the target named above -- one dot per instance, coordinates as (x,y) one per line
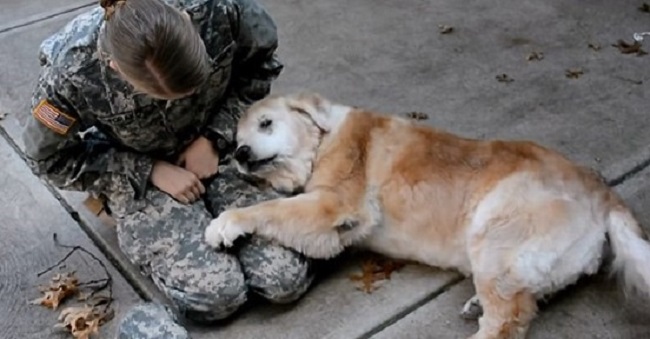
(390,56)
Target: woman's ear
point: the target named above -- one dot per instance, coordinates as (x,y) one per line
(113,65)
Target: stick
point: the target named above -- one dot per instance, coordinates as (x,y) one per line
(106,282)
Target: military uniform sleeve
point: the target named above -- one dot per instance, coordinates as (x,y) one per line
(61,150)
(255,65)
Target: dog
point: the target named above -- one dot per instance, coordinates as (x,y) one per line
(522,220)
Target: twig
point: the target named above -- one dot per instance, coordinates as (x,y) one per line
(92,282)
(636,82)
(106,282)
(57,264)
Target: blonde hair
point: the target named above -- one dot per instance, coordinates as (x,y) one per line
(154,45)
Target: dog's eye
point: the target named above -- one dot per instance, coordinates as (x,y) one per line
(266,123)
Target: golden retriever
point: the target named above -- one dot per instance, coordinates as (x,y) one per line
(522,220)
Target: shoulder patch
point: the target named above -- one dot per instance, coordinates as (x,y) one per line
(53,118)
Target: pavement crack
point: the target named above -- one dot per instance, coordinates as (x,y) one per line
(37,19)
(84,227)
(412,308)
(629,174)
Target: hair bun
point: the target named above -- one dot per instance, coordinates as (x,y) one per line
(110,6)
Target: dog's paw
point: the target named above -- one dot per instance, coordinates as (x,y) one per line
(472,309)
(224,230)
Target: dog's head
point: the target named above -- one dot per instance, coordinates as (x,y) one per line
(277,139)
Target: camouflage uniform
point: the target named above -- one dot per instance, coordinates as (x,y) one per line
(96,135)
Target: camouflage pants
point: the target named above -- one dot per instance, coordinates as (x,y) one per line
(165,239)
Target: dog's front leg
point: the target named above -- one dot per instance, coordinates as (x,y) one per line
(306,223)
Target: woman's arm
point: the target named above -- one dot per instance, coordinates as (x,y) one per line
(62,148)
(255,64)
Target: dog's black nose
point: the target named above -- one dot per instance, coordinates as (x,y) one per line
(243,154)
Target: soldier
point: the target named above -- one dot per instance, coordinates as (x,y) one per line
(137,103)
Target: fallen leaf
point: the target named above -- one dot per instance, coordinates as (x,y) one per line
(535,56)
(374,270)
(595,47)
(645,7)
(574,73)
(84,296)
(60,288)
(416,115)
(504,78)
(444,29)
(627,48)
(82,321)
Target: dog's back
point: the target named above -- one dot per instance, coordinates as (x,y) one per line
(416,188)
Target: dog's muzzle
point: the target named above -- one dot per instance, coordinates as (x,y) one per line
(244,156)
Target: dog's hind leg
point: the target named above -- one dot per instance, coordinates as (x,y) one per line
(504,317)
(507,303)
(522,249)
(472,308)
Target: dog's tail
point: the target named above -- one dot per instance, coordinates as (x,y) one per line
(630,248)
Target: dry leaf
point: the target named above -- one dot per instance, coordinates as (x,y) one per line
(645,7)
(627,48)
(82,321)
(84,296)
(375,269)
(535,56)
(595,47)
(444,29)
(504,78)
(60,288)
(574,73)
(416,115)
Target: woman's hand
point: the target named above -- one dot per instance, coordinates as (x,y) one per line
(178,182)
(200,158)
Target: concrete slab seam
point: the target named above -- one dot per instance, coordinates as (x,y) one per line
(629,174)
(401,315)
(46,17)
(141,291)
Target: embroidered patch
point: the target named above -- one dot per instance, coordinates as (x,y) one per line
(53,118)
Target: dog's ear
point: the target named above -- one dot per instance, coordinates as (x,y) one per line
(314,106)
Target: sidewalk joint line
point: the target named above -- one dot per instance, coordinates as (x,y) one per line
(629,174)
(43,18)
(412,308)
(84,227)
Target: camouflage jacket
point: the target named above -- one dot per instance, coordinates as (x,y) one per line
(90,132)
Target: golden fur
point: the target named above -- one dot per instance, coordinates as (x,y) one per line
(522,220)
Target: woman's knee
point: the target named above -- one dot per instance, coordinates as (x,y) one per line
(278,274)
(205,287)
(160,225)
(165,239)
